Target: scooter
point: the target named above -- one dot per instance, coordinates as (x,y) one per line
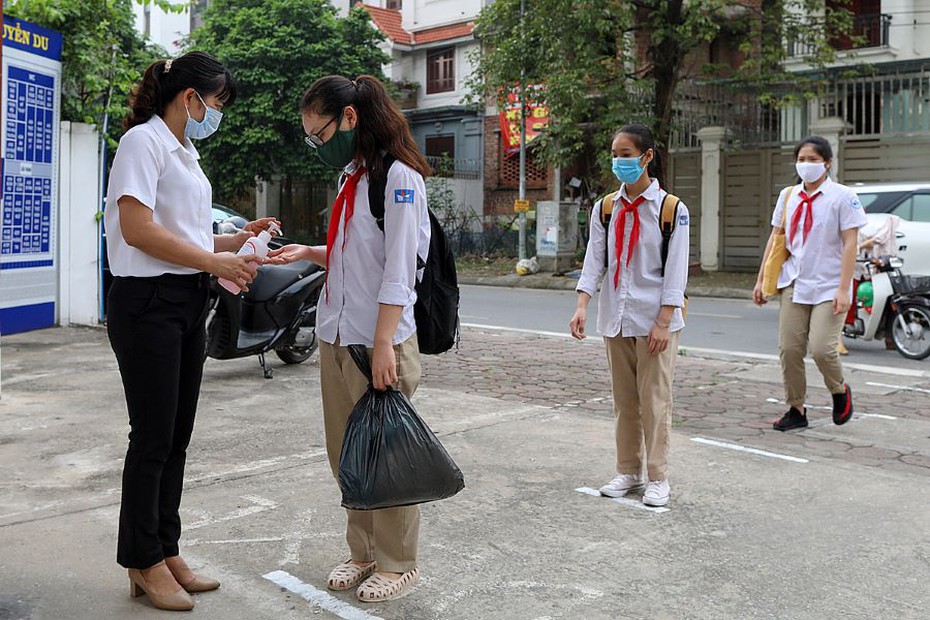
(899,306)
(277,313)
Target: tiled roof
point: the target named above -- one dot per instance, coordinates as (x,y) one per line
(390,22)
(444,33)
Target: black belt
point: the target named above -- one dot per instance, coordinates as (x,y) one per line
(192,280)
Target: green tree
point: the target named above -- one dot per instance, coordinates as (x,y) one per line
(276,49)
(606,62)
(103,55)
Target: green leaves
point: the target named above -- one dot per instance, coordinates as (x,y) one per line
(275,49)
(608,62)
(103,56)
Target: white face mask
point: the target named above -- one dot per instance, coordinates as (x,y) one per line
(810,171)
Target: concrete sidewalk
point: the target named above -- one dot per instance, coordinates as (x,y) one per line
(829,522)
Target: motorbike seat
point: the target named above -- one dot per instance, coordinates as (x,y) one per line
(272,279)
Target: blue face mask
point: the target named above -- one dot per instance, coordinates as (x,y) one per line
(627,169)
(198,130)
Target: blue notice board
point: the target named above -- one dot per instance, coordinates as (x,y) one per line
(27,189)
(29,270)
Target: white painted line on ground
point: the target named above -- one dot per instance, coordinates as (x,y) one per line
(880,416)
(261,504)
(518,330)
(714,315)
(739,448)
(234,541)
(623,501)
(898,387)
(319,598)
(769,357)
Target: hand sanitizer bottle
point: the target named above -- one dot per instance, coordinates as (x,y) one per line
(253,245)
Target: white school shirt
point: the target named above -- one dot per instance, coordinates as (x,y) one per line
(376,267)
(632,308)
(153,167)
(814,266)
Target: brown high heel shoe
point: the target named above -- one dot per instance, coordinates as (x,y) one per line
(196,583)
(179,600)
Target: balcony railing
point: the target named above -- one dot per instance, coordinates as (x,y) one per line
(869,30)
(459,168)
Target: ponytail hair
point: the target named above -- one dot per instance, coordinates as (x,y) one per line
(644,141)
(164,79)
(381,124)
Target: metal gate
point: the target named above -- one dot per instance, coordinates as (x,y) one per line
(751,182)
(884,159)
(684,180)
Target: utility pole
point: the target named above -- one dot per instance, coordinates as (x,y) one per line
(522,246)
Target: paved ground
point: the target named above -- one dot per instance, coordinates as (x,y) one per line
(828,522)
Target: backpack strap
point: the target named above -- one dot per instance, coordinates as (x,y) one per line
(607,209)
(668,218)
(376,189)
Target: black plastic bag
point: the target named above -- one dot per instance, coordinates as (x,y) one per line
(389,456)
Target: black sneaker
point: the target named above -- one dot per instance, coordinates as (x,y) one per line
(842,407)
(792,419)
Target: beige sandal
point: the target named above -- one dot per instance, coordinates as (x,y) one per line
(379,588)
(348,575)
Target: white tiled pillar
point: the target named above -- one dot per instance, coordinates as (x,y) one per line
(712,139)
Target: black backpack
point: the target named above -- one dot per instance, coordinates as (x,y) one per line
(436,311)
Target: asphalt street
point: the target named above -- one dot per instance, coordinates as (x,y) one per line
(731,325)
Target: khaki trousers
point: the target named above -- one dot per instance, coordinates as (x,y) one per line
(807,328)
(388,536)
(642,390)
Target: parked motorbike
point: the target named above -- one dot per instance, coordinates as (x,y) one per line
(277,313)
(899,307)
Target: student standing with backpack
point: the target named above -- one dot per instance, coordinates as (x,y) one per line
(639,310)
(819,221)
(369,297)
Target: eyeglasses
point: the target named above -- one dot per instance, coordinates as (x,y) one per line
(314,140)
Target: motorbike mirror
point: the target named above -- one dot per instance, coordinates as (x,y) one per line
(231,225)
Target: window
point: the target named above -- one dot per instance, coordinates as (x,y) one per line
(916,208)
(440,146)
(394,4)
(440,153)
(440,71)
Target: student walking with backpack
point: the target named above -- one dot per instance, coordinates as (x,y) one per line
(639,238)
(375,247)
(815,233)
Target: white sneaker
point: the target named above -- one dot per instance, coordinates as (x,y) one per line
(657,492)
(621,485)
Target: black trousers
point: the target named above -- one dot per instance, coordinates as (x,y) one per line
(156,330)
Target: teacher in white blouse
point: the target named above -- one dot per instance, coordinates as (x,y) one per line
(162,249)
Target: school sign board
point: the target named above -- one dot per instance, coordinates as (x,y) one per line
(29,216)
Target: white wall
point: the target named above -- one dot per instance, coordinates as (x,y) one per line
(908,37)
(78,229)
(421,14)
(166,28)
(910,27)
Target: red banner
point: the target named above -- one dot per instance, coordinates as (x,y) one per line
(537,118)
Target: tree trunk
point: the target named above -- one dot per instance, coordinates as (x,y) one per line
(666,53)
